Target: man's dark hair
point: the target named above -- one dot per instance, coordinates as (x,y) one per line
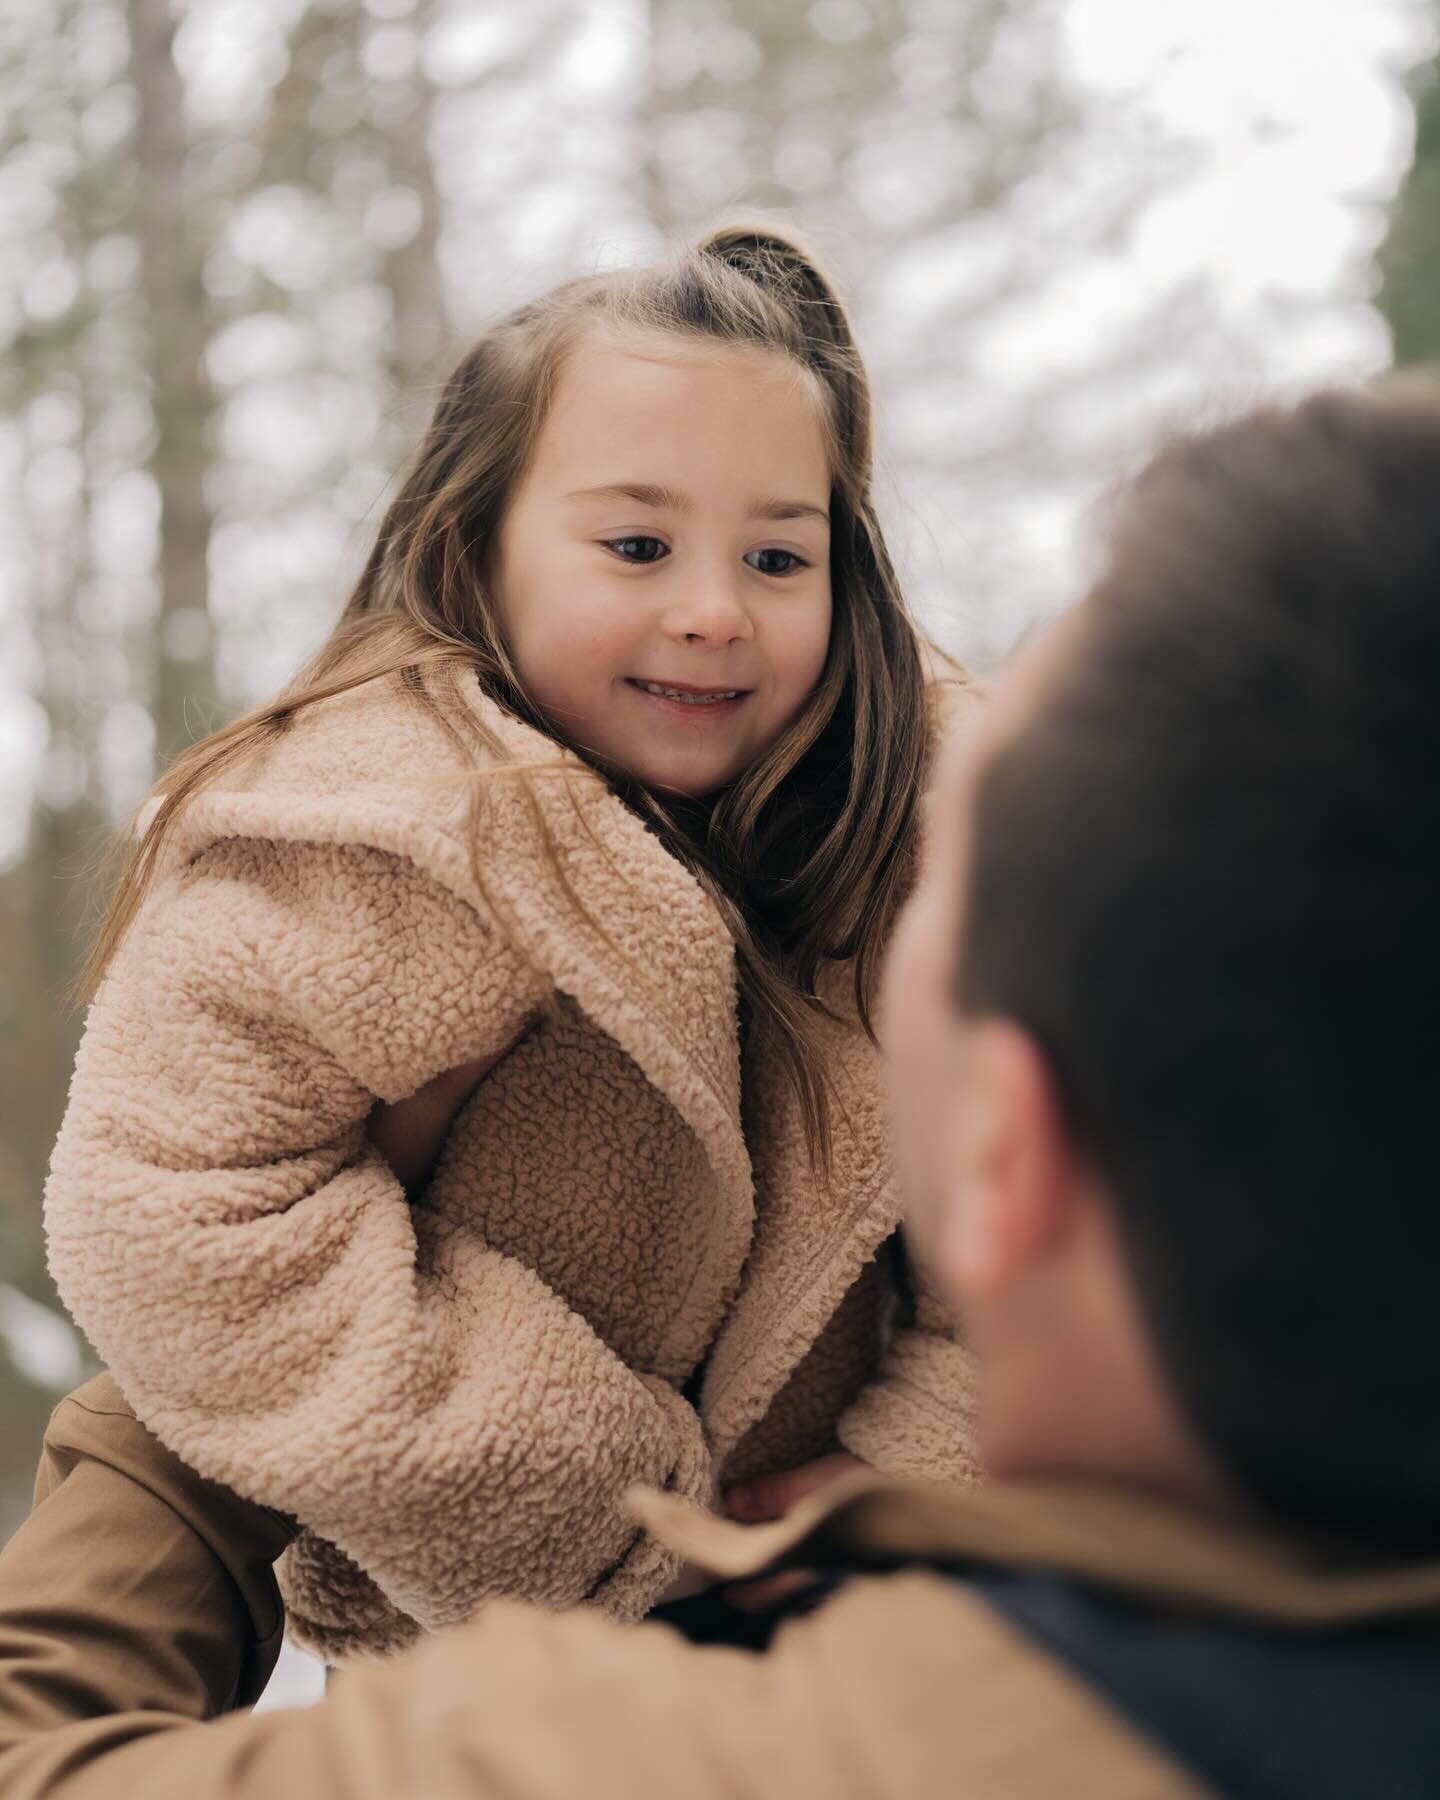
(1207,879)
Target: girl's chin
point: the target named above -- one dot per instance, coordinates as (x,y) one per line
(665,781)
(695,775)
(683,783)
(684,790)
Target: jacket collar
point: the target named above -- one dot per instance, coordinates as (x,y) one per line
(1112,1538)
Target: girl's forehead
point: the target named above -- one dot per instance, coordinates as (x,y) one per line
(623,395)
(605,352)
(618,337)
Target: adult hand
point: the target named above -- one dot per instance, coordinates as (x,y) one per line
(772,1496)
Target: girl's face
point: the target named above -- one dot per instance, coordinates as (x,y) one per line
(663,567)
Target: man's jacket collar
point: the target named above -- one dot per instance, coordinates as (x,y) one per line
(1116,1539)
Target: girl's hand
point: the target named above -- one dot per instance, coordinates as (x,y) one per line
(409,1133)
(772,1496)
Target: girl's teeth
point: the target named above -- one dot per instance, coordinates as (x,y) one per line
(665,693)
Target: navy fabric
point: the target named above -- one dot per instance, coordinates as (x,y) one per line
(1255,1713)
(709,1618)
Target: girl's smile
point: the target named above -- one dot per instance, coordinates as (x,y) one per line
(692,705)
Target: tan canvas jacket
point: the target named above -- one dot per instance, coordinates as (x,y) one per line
(138,1601)
(452,1396)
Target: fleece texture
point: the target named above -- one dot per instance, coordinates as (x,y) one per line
(451,1395)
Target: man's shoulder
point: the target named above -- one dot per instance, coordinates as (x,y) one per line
(916,1666)
(898,1685)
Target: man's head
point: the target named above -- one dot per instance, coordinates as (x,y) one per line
(1165,1006)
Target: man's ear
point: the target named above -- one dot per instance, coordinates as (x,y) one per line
(1012,1203)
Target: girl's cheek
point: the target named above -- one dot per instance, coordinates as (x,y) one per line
(811,648)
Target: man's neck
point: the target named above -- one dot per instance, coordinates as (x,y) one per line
(1099,1412)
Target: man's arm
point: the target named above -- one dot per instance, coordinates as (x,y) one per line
(138,1602)
(133,1583)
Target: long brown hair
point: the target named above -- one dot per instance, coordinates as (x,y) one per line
(806,852)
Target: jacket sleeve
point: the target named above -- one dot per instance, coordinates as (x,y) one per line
(133,1583)
(249,1267)
(916,1417)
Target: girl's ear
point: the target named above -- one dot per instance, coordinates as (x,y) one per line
(1014,1197)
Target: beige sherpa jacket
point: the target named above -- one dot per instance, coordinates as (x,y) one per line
(451,1396)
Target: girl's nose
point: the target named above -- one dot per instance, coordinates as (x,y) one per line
(710,612)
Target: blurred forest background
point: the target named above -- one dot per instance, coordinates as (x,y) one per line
(240,240)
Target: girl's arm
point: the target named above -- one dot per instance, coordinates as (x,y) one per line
(245,1260)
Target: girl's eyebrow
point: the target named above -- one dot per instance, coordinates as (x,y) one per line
(646,493)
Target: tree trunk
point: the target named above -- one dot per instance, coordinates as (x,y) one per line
(173,290)
(412,269)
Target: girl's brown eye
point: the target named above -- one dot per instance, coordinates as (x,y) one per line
(764,561)
(638,549)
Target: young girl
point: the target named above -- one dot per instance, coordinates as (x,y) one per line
(568,858)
